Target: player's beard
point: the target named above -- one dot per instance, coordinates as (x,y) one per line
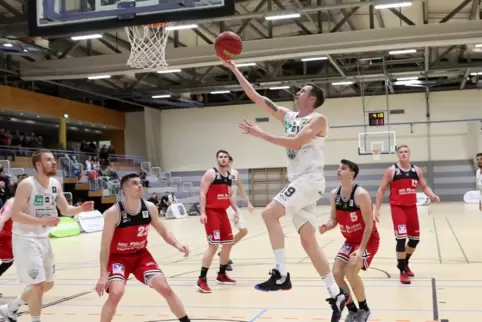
(223,166)
(49,171)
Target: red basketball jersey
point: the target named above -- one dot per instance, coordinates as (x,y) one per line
(403,188)
(7,227)
(217,196)
(130,235)
(349,217)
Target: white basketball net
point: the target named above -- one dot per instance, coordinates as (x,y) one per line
(148,45)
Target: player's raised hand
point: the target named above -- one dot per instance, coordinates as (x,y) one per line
(101,284)
(50,221)
(183,249)
(228,63)
(203,219)
(87,206)
(250,128)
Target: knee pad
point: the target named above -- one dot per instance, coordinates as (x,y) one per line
(401,245)
(412,243)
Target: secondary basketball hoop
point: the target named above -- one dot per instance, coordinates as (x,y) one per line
(148,45)
(377,153)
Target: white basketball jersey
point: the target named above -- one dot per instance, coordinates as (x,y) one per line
(308,158)
(478,180)
(234,181)
(42,203)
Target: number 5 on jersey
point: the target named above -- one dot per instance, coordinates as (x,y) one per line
(142,231)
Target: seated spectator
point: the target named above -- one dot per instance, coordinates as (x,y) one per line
(143,176)
(164,204)
(154,199)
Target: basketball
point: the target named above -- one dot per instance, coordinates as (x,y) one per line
(228,45)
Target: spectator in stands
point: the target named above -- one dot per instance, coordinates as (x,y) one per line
(104,154)
(172,198)
(143,176)
(6,184)
(154,199)
(164,204)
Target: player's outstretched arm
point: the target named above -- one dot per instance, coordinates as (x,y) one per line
(6,213)
(425,188)
(164,232)
(332,222)
(265,103)
(364,201)
(387,178)
(68,210)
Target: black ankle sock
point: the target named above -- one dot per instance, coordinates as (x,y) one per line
(222,269)
(204,272)
(401,265)
(363,305)
(407,258)
(352,307)
(184,319)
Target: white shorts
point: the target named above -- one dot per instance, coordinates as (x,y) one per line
(241,224)
(34,259)
(299,198)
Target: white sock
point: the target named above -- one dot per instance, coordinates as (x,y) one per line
(331,285)
(15,304)
(280,257)
(35,318)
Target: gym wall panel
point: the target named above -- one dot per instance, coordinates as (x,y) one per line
(135,135)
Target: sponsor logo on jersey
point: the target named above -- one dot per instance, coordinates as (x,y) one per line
(145,214)
(38,200)
(54,189)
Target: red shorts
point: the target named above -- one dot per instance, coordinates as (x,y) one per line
(218,227)
(349,248)
(6,254)
(141,264)
(405,222)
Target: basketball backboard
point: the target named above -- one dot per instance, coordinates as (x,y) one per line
(384,142)
(61,17)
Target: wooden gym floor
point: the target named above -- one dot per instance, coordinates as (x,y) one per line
(446,286)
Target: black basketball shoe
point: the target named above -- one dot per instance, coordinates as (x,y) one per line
(275,283)
(338,304)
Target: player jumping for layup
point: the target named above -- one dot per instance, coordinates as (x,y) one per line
(215,197)
(304,141)
(403,179)
(351,207)
(123,250)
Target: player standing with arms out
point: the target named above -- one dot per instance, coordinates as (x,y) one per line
(123,250)
(304,140)
(34,211)
(241,224)
(215,197)
(478,178)
(403,179)
(351,207)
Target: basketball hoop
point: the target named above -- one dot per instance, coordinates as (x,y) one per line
(148,45)
(377,153)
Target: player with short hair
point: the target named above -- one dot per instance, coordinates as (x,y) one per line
(124,250)
(304,140)
(214,199)
(34,212)
(403,179)
(351,207)
(241,224)
(478,177)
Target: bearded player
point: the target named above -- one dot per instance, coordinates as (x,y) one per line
(123,250)
(304,141)
(215,198)
(351,207)
(34,212)
(403,179)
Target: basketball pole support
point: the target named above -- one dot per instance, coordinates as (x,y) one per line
(361,82)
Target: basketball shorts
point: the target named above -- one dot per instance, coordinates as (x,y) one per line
(34,259)
(141,264)
(6,252)
(405,222)
(299,198)
(349,248)
(218,227)
(241,224)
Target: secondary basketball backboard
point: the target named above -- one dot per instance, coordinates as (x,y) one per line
(370,143)
(60,17)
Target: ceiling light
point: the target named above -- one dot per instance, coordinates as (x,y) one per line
(279,87)
(314,58)
(161,96)
(99,77)
(403,51)
(245,64)
(407,78)
(398,4)
(220,92)
(407,82)
(84,37)
(181,27)
(478,45)
(342,83)
(7,45)
(167,71)
(280,17)
(475,74)
(38,116)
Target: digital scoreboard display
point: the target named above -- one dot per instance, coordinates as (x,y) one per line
(376,118)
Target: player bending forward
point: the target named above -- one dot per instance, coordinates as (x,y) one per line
(403,179)
(304,140)
(215,197)
(240,224)
(123,250)
(351,207)
(34,211)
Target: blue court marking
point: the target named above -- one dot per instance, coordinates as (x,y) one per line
(258,315)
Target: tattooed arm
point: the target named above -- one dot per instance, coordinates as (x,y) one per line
(265,103)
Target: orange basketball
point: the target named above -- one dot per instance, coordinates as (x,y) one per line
(228,45)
